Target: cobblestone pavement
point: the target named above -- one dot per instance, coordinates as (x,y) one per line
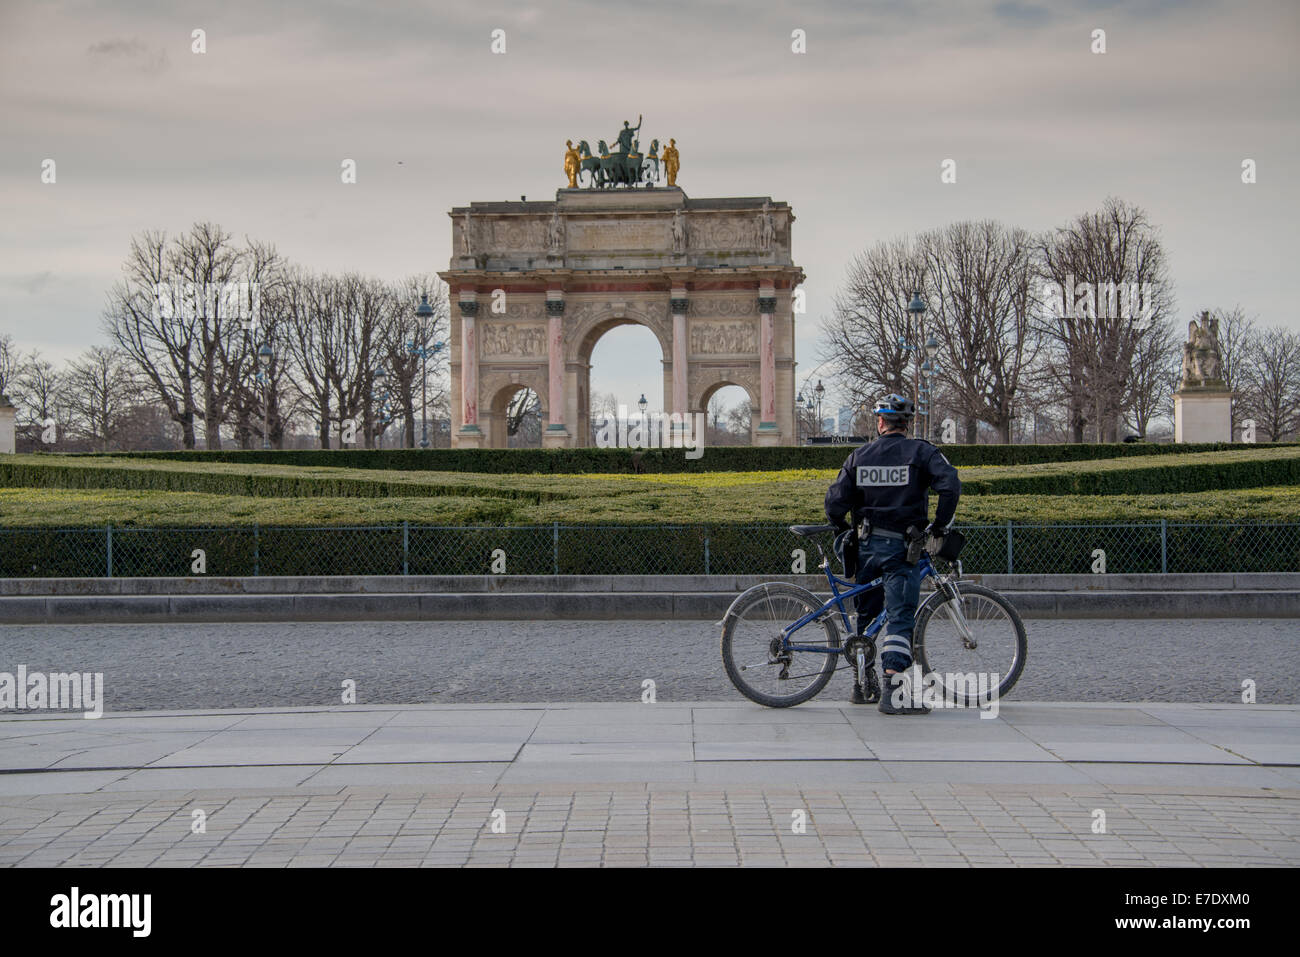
(887,825)
(660,784)
(298,664)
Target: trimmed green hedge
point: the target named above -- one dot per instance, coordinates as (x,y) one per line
(1107,477)
(715,459)
(59,475)
(1136,479)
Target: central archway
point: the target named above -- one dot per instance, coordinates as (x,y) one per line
(654,384)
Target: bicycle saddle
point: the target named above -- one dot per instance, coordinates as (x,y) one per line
(811,529)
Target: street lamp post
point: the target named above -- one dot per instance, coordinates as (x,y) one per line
(929,369)
(821,391)
(915,310)
(417,348)
(798,418)
(264,356)
(379,378)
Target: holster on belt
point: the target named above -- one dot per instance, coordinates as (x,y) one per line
(915,538)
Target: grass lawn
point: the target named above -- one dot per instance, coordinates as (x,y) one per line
(607,502)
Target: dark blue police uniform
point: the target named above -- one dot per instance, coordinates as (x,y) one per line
(887,481)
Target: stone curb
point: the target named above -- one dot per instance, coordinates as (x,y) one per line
(565,605)
(588,584)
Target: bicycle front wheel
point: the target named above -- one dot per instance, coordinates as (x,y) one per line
(752,648)
(992,623)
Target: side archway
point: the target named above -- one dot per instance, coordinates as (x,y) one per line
(751,391)
(499,389)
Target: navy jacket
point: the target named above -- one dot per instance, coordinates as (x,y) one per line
(887,480)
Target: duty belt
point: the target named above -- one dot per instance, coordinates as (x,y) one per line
(866,529)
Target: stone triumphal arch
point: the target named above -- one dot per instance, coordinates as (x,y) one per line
(534,285)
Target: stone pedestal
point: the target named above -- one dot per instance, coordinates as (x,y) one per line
(767,434)
(8,418)
(555,437)
(469,437)
(1202,415)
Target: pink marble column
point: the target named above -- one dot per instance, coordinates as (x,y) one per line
(767,370)
(766,357)
(469,366)
(678,304)
(555,370)
(679,363)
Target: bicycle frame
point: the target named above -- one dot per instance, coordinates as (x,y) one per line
(837,601)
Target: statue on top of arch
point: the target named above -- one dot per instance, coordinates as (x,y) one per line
(625,165)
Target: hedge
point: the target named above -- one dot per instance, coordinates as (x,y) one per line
(1152,479)
(88,508)
(59,475)
(1114,478)
(727,458)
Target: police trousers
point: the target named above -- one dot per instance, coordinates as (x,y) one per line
(879,557)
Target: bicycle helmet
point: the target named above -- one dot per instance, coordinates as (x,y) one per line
(895,407)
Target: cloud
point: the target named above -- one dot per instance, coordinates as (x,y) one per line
(1022,12)
(33,283)
(135,54)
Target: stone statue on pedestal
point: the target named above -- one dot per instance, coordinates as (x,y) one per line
(1202,362)
(1203,403)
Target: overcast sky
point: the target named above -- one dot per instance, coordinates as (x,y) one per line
(147,134)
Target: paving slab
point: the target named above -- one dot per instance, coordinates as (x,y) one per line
(711,783)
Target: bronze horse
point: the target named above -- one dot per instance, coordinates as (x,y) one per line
(617,169)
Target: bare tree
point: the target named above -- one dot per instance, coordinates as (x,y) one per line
(983,276)
(182,314)
(524,419)
(40,399)
(1092,341)
(1155,357)
(1270,374)
(603,407)
(740,418)
(863,342)
(100,391)
(146,318)
(403,340)
(1237,340)
(10,360)
(313,340)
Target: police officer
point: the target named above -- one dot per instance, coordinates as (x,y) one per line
(885,483)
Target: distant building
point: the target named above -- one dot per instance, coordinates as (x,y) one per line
(844,421)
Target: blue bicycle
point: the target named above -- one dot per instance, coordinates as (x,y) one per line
(963,630)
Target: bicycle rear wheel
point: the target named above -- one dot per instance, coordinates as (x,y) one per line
(1000,644)
(751,646)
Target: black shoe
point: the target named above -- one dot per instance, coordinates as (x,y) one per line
(896,687)
(873,686)
(858,696)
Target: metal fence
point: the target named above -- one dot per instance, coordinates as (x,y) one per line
(556,549)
